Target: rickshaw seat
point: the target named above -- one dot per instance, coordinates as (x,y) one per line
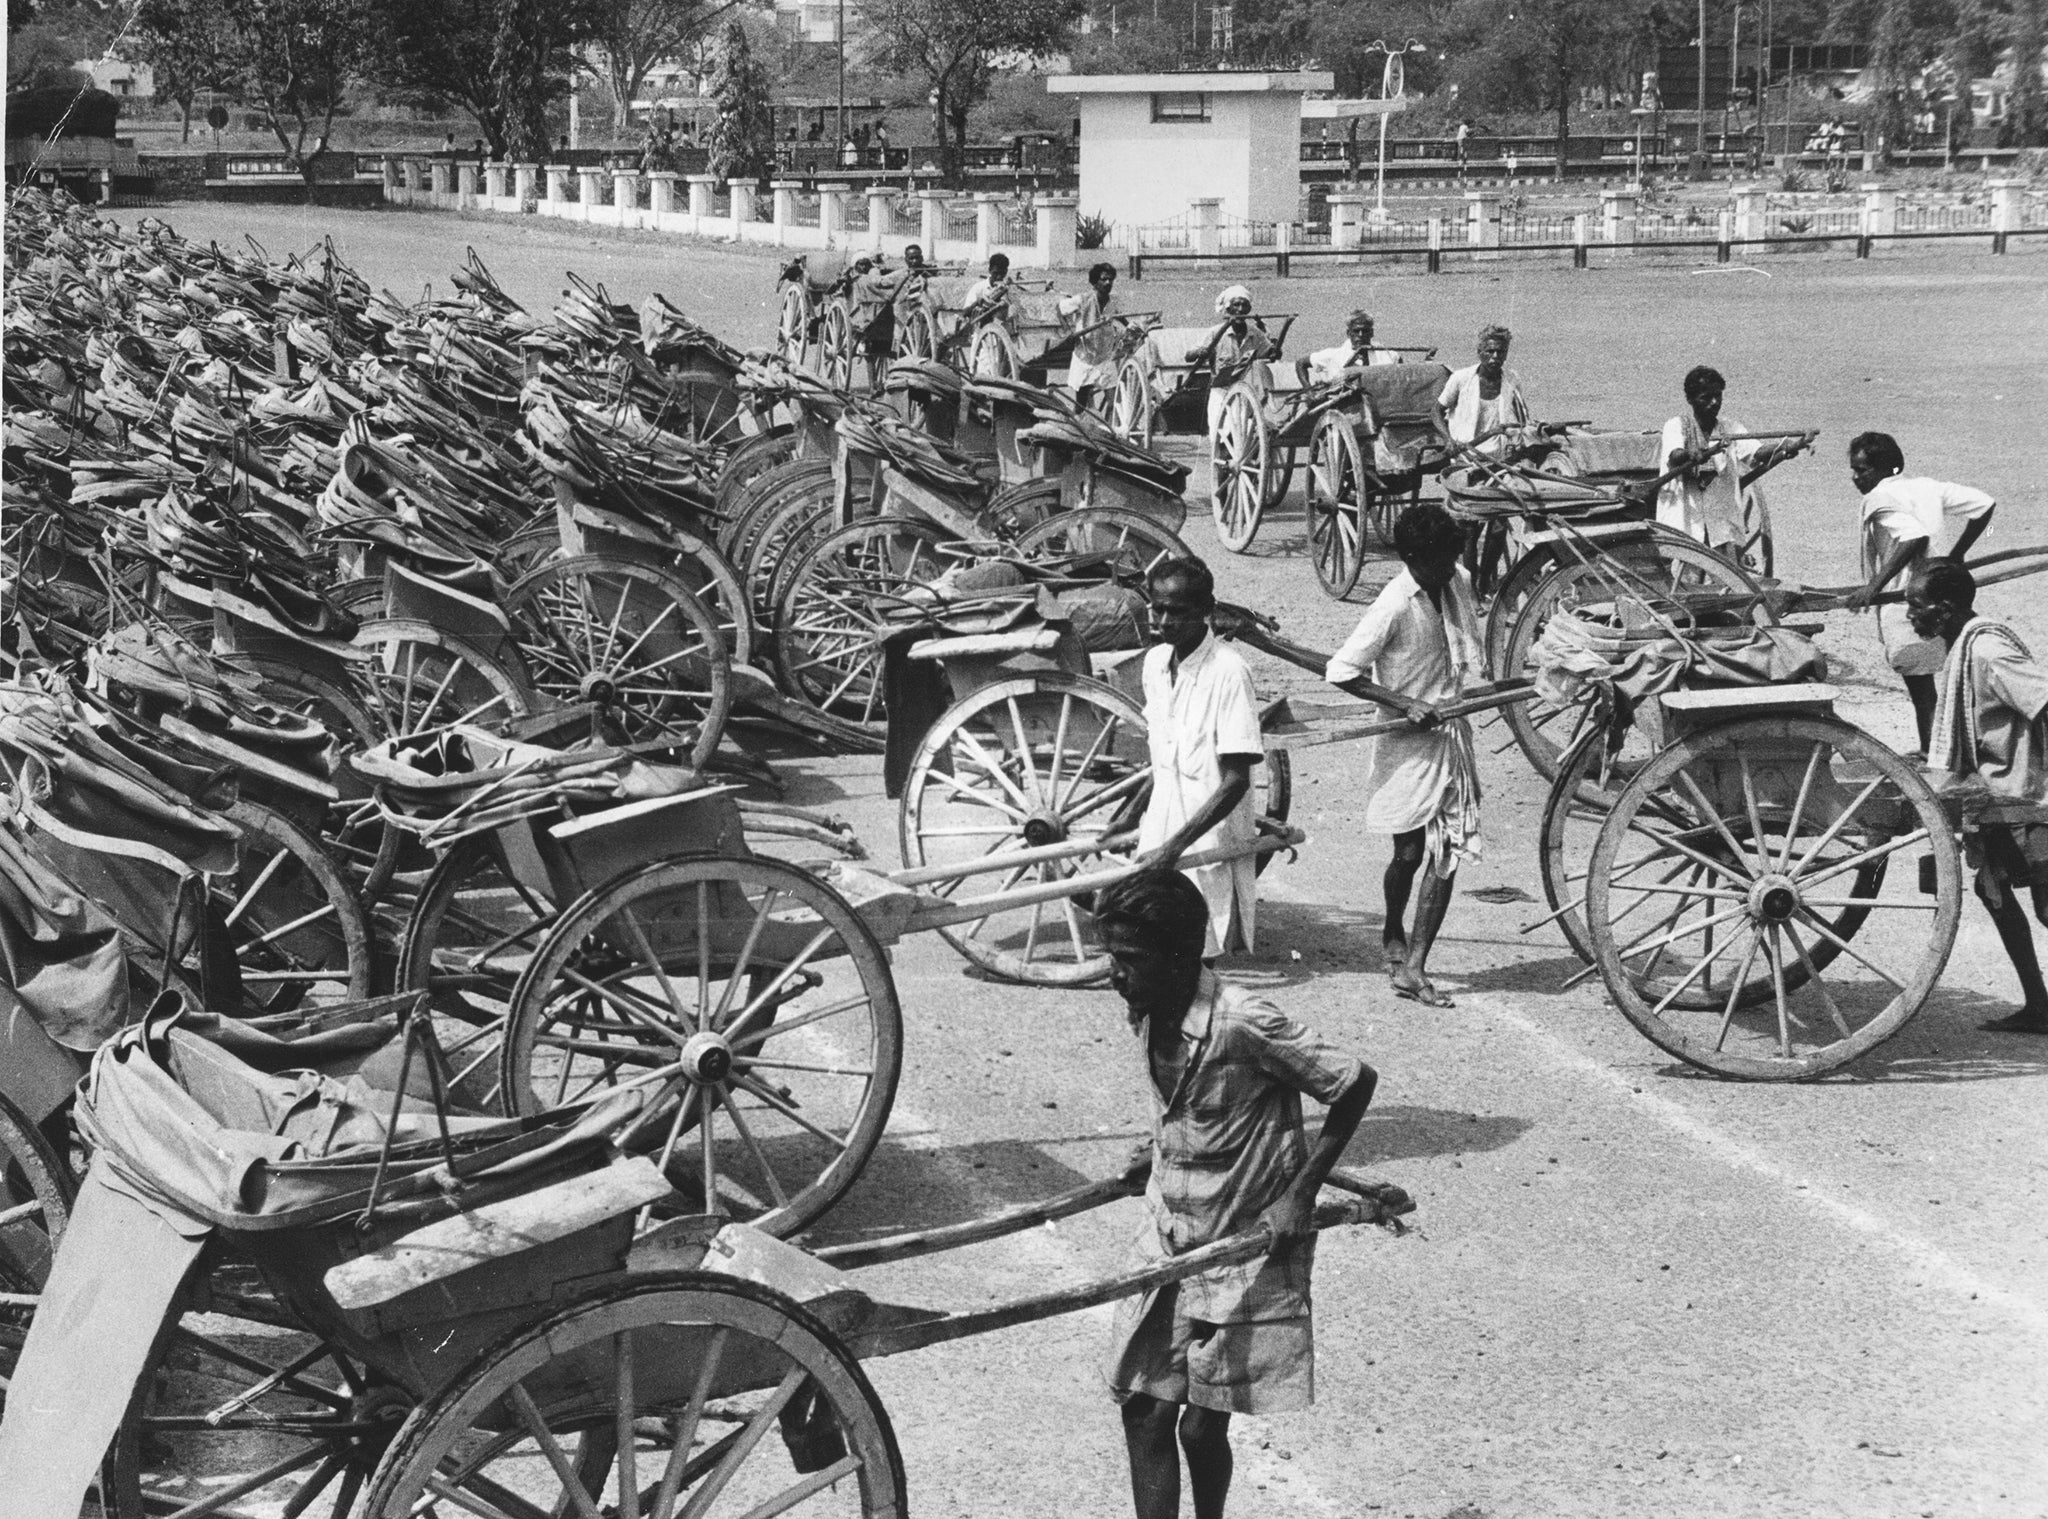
(1608,454)
(1403,392)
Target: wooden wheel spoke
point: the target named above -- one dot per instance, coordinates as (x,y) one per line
(1818,982)
(1735,990)
(530,1416)
(1814,922)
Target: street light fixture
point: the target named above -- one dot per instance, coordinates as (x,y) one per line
(1393,85)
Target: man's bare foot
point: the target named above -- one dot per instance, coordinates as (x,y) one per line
(2028,1020)
(1394,955)
(1411,987)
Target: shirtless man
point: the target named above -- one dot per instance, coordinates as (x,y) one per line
(1991,723)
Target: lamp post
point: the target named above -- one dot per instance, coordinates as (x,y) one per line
(1393,84)
(841,39)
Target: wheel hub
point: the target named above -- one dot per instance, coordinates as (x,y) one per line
(598,687)
(1773,898)
(706,1058)
(1044,828)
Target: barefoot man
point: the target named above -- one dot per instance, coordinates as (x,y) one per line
(1227,1072)
(1413,651)
(1988,723)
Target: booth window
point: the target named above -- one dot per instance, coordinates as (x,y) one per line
(1183,106)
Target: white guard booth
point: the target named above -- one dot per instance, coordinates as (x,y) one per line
(1151,143)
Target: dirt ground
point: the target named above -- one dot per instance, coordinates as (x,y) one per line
(1714,1299)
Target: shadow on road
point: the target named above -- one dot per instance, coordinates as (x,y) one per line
(914,1188)
(1409,1133)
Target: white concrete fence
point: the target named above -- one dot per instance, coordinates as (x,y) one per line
(689,205)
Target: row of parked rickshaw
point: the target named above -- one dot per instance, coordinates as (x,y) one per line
(391,804)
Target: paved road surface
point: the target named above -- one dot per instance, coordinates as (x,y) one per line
(1635,1291)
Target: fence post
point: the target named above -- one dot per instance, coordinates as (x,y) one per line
(416,177)
(467,177)
(661,194)
(1725,230)
(702,188)
(495,190)
(742,208)
(1347,220)
(394,181)
(988,223)
(626,197)
(1618,216)
(1751,214)
(1283,248)
(558,189)
(932,220)
(1207,227)
(441,180)
(784,191)
(1436,245)
(590,192)
(881,215)
(832,214)
(526,184)
(2005,209)
(1579,241)
(1057,219)
(1880,217)
(1137,265)
(1482,220)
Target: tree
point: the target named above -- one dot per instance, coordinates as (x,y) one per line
(502,61)
(1534,54)
(2026,116)
(955,47)
(634,35)
(290,58)
(743,138)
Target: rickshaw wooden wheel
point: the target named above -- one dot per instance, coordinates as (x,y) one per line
(765,995)
(1134,543)
(292,916)
(832,615)
(708,573)
(36,1193)
(1592,774)
(703,410)
(633,639)
(1681,565)
(993,355)
(1747,840)
(1022,505)
(355,831)
(310,1406)
(1032,760)
(792,323)
(469,935)
(835,343)
(1130,404)
(1336,505)
(418,677)
(706,1396)
(748,461)
(811,478)
(1240,470)
(914,338)
(532,546)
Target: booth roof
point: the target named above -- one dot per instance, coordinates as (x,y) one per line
(1216,82)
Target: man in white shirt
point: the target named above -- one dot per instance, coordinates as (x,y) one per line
(1711,453)
(1202,725)
(1328,365)
(985,292)
(1482,405)
(1414,649)
(1092,372)
(1908,519)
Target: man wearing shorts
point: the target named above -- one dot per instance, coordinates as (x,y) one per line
(1908,519)
(1991,725)
(1227,1071)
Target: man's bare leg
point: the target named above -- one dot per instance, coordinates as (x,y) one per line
(1412,979)
(1155,1464)
(1921,688)
(1399,882)
(1205,1440)
(2016,933)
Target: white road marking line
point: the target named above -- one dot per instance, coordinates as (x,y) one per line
(1939,1266)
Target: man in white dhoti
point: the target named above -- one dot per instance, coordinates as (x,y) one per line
(1202,723)
(1482,405)
(1414,649)
(1705,499)
(1908,520)
(1092,371)
(1237,348)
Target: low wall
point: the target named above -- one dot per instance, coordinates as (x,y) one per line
(411,183)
